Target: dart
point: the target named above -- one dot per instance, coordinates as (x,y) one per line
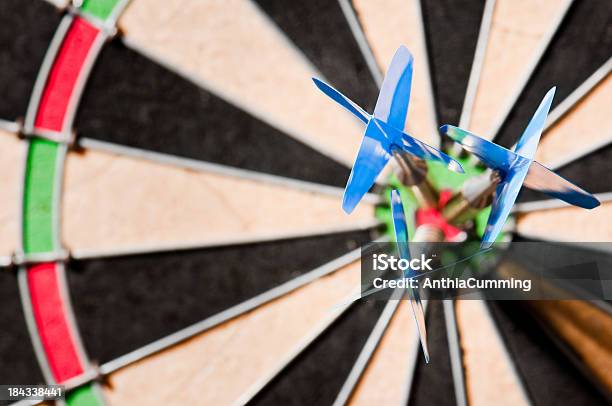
(517,168)
(402,238)
(384,134)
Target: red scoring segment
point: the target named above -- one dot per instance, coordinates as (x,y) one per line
(50,311)
(64,74)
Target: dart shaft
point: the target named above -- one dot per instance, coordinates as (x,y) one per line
(414,175)
(476,194)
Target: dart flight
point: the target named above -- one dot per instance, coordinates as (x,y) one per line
(518,167)
(401,238)
(384,131)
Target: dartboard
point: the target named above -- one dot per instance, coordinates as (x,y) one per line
(171,222)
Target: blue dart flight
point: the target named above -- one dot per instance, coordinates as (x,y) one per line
(518,167)
(401,237)
(384,131)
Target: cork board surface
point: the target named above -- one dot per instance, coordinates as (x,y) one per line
(386,28)
(219,366)
(108,205)
(517,30)
(238,53)
(384,380)
(585,126)
(569,224)
(12,158)
(488,369)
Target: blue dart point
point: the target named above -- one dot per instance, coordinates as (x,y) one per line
(517,168)
(385,130)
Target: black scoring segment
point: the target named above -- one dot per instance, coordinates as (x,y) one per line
(147,297)
(132,101)
(451,29)
(26,30)
(316,376)
(320,30)
(433,382)
(19,365)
